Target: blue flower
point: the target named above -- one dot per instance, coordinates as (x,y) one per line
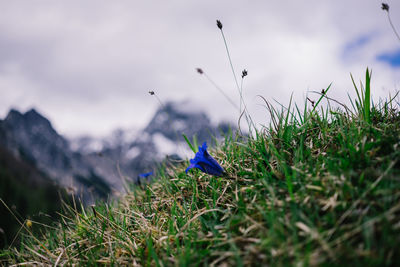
(204,162)
(145,175)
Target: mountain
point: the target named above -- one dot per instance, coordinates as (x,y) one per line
(31,138)
(87,144)
(96,168)
(140,151)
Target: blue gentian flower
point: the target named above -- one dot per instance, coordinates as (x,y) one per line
(204,162)
(145,175)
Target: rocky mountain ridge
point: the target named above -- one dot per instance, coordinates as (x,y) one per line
(31,138)
(98,168)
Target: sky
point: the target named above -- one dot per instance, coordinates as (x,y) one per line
(88,65)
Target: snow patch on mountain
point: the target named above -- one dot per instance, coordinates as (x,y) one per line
(86,144)
(164,146)
(188,107)
(184,151)
(118,138)
(178,125)
(143,137)
(132,153)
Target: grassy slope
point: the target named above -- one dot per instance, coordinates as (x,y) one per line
(320,189)
(28,193)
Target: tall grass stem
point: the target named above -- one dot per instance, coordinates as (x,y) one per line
(221,91)
(391,25)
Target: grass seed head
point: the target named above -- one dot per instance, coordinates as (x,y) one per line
(219,24)
(385,7)
(244,73)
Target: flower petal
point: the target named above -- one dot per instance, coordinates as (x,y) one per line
(205,162)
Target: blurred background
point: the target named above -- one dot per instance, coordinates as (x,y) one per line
(75,78)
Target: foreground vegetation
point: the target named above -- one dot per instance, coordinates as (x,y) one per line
(319,186)
(29,194)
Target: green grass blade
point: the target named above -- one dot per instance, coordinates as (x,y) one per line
(367,100)
(190,144)
(322,96)
(356,89)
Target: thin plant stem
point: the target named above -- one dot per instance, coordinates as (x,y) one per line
(244,74)
(242,99)
(236,81)
(230,60)
(246,112)
(164,107)
(241,94)
(393,28)
(221,91)
(159,101)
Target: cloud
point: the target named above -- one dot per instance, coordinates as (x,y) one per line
(89,65)
(392,58)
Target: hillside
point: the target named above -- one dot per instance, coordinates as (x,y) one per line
(318,187)
(29,193)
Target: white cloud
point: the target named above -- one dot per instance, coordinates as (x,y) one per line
(88,65)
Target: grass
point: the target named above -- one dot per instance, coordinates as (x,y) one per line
(319,186)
